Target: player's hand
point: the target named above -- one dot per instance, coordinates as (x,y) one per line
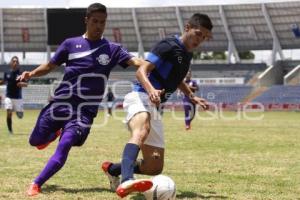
(22,84)
(25,76)
(200,101)
(154,96)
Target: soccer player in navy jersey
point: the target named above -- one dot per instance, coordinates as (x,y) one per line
(110,97)
(89,60)
(188,106)
(13,98)
(167,65)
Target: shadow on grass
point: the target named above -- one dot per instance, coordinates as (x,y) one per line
(138,196)
(185,195)
(51,188)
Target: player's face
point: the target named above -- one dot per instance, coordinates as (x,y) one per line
(95,25)
(196,35)
(14,63)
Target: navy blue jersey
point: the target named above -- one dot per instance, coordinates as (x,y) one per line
(12,90)
(110,96)
(172,62)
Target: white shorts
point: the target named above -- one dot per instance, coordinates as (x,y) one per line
(13,104)
(109,104)
(135,102)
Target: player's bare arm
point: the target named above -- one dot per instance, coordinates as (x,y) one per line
(136,62)
(41,70)
(22,84)
(196,100)
(142,77)
(194,88)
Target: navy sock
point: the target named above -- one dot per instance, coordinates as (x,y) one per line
(130,154)
(9,124)
(115,169)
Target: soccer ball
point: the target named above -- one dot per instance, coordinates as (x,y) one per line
(163,189)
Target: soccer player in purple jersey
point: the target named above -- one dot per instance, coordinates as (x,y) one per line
(188,105)
(166,67)
(89,59)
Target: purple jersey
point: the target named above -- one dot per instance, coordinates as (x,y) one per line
(190,83)
(88,65)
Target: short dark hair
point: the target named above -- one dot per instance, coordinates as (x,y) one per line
(15,57)
(95,7)
(199,19)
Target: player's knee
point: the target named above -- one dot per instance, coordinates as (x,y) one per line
(155,170)
(152,168)
(34,142)
(158,170)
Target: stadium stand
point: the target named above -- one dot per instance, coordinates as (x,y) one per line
(246,71)
(24,30)
(237,28)
(280,94)
(225,94)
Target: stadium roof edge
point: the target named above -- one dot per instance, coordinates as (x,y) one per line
(127,4)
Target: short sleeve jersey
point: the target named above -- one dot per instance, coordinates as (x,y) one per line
(12,90)
(88,65)
(192,83)
(172,62)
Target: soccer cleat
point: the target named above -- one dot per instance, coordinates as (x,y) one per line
(33,189)
(114,181)
(43,146)
(138,185)
(187,127)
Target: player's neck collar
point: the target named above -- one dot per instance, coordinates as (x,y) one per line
(85,36)
(180,42)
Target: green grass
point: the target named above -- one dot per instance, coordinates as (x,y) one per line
(217,159)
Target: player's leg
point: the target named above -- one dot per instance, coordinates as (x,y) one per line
(153,160)
(75,133)
(9,120)
(9,108)
(187,109)
(153,150)
(139,126)
(193,112)
(46,129)
(138,120)
(189,113)
(109,108)
(20,115)
(56,162)
(18,107)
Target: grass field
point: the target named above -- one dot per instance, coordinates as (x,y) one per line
(217,159)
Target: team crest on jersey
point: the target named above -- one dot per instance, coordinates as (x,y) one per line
(103,59)
(179,58)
